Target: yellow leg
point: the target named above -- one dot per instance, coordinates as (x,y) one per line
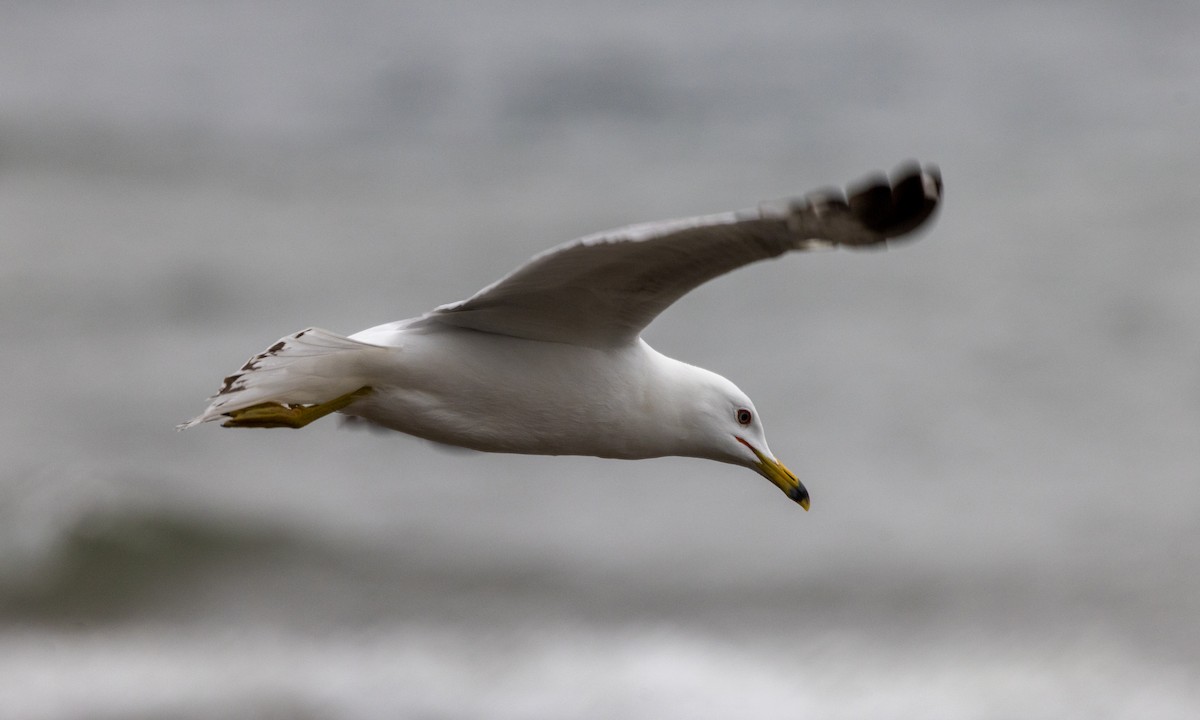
(273,414)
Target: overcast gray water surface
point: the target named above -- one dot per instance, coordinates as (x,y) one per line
(999,424)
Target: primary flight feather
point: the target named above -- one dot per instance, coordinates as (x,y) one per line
(549,360)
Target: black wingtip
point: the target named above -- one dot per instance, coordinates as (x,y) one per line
(896,206)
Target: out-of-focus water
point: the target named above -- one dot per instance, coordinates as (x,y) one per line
(999,425)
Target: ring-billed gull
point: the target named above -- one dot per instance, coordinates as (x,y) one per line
(549,359)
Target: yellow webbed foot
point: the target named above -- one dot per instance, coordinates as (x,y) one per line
(274,415)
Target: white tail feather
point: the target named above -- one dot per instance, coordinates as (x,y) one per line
(305,368)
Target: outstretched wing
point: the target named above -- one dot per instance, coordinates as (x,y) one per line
(602,290)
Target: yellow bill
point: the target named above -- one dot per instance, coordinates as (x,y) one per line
(784,479)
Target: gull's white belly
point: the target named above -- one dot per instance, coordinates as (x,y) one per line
(502,394)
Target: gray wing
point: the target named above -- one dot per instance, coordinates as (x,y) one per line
(602,290)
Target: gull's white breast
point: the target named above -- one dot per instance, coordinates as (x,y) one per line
(503,394)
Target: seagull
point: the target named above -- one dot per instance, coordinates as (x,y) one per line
(549,359)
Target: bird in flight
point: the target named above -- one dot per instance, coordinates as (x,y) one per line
(549,359)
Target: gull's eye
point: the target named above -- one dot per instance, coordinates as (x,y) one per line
(744,417)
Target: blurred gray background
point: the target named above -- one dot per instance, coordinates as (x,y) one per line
(999,424)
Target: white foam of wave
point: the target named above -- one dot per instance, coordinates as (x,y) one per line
(576,672)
